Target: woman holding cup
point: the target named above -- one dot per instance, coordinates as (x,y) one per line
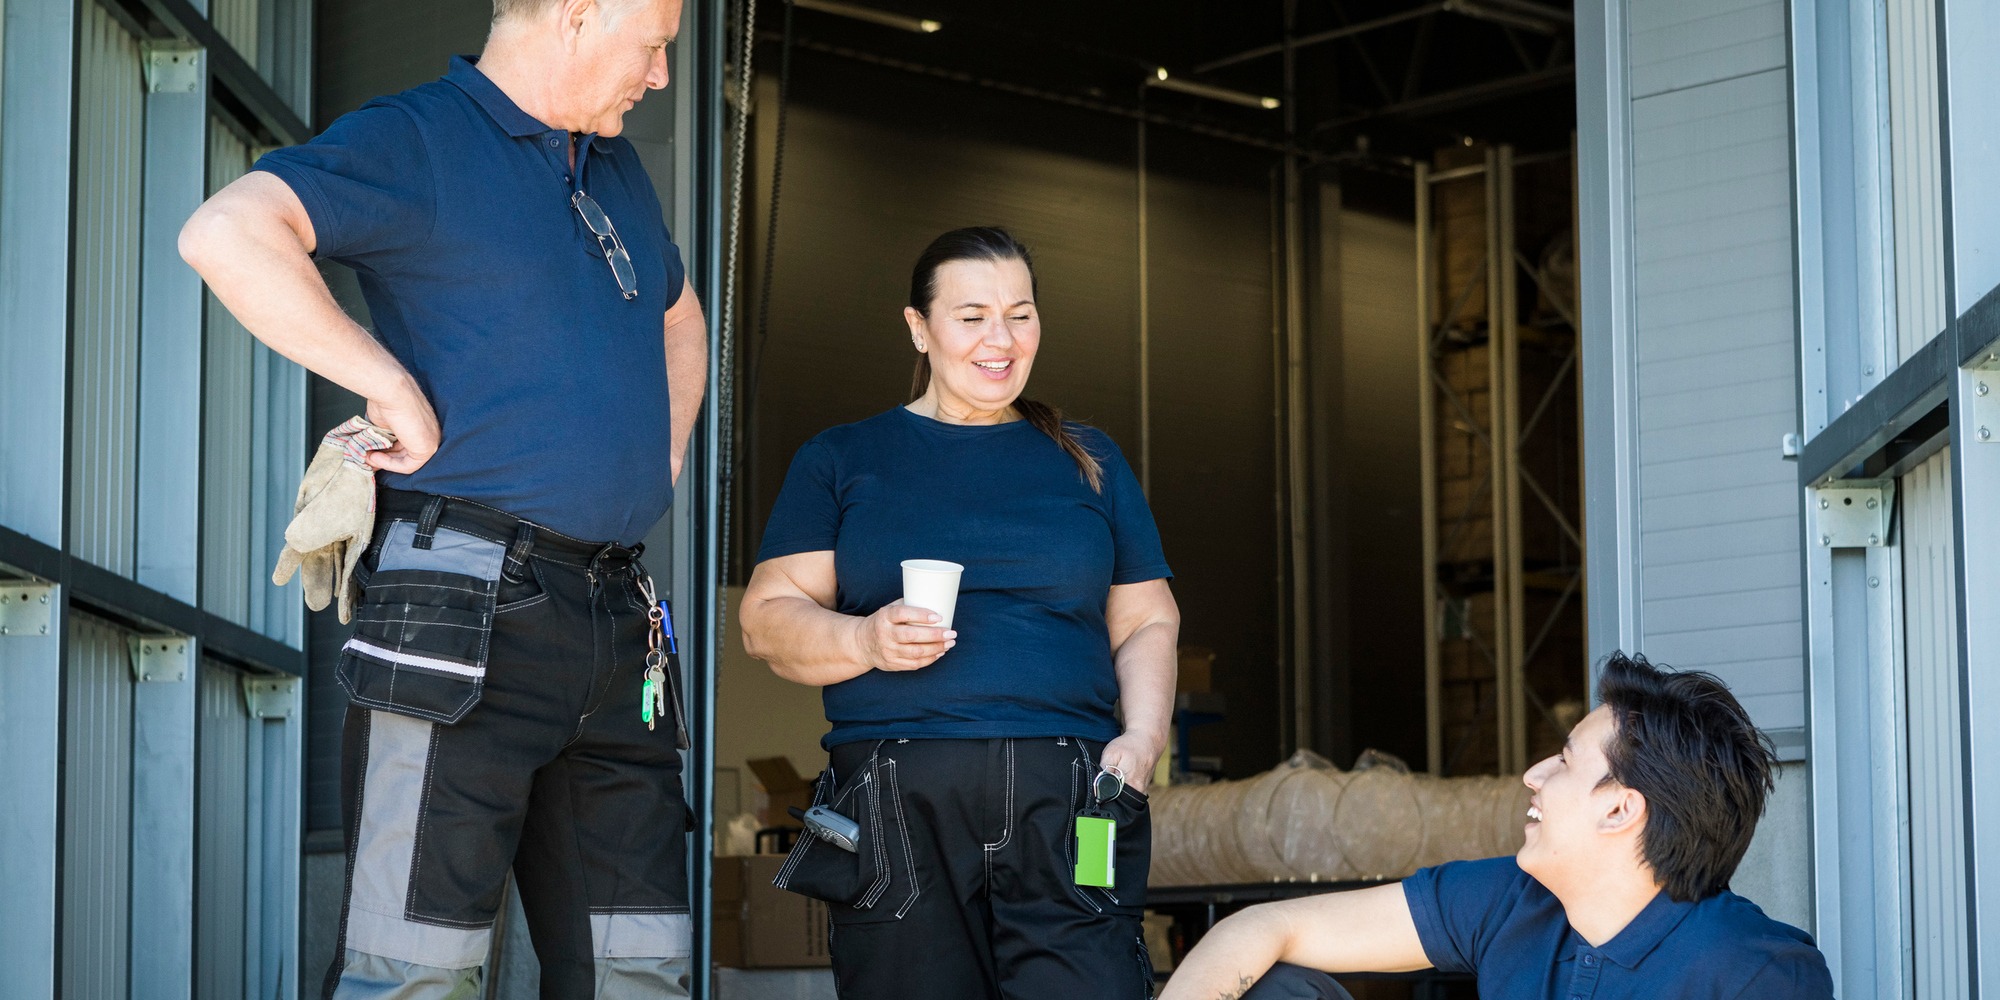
(976,745)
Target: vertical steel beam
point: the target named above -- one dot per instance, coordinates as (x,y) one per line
(1500,456)
(1605,255)
(1297,466)
(1427,463)
(697,571)
(170,309)
(30,707)
(163,721)
(37,107)
(1145,317)
(1509,574)
(1969,32)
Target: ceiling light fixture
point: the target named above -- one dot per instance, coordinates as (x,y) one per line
(1167,81)
(920,25)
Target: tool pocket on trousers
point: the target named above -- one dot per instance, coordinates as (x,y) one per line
(878,881)
(1132,855)
(425,625)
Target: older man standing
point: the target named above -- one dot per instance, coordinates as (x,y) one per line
(532,314)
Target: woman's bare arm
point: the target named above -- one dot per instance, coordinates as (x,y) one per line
(788,621)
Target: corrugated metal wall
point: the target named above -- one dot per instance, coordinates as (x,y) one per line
(1717,382)
(97,811)
(105,365)
(228,566)
(1936,783)
(237,22)
(276,434)
(1914,178)
(222,792)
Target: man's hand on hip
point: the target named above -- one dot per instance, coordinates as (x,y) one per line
(415,424)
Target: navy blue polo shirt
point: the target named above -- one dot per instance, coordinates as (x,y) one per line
(1041,552)
(452,206)
(1493,920)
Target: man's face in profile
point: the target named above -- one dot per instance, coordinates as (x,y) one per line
(1572,802)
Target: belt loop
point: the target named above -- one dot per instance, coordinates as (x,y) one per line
(516,569)
(427,523)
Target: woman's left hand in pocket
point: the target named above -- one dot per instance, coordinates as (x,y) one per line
(1134,755)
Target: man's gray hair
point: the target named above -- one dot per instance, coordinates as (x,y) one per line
(529,9)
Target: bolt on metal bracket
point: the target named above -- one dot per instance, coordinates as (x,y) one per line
(1985,403)
(1853,514)
(27,608)
(271,697)
(173,68)
(161,659)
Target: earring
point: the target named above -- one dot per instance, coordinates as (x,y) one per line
(919,345)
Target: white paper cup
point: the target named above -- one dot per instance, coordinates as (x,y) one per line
(932,584)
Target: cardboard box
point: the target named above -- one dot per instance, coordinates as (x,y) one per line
(785,787)
(760,926)
(1197,670)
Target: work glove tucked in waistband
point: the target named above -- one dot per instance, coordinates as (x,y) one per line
(334,516)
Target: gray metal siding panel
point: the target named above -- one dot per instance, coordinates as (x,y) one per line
(222,803)
(229,571)
(237,22)
(1936,790)
(97,811)
(1719,523)
(105,370)
(1686,43)
(1914,173)
(277,439)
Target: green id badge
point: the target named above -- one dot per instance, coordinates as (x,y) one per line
(1096,851)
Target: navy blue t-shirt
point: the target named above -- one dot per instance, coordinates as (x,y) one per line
(1493,920)
(452,206)
(1041,552)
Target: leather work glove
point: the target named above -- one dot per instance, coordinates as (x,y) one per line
(334,516)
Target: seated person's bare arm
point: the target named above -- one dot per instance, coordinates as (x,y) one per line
(1367,930)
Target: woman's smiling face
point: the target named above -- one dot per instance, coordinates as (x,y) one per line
(981,335)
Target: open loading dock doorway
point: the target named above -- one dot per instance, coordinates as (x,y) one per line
(1315,370)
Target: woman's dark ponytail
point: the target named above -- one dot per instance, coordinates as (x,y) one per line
(992,243)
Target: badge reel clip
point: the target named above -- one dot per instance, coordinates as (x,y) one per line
(830,826)
(1097,832)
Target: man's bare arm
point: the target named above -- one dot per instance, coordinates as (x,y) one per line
(252,243)
(1368,930)
(687,368)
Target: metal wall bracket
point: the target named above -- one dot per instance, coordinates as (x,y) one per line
(162,659)
(271,697)
(1986,402)
(1853,514)
(173,68)
(27,608)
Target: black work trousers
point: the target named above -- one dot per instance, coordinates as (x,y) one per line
(495,674)
(964,884)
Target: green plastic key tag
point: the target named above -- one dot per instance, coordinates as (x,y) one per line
(1096,851)
(646,700)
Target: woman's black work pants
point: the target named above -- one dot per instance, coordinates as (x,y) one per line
(965,883)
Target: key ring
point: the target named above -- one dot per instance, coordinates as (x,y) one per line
(1109,783)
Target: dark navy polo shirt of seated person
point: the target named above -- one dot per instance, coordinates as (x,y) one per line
(1494,920)
(1041,552)
(452,206)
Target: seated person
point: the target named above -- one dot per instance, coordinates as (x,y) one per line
(1621,891)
